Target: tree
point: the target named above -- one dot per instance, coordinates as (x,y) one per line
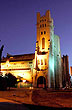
(1,49)
(11,80)
(3,83)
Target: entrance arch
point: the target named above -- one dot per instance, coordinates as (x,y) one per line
(41,82)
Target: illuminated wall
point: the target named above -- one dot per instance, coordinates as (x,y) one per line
(18,68)
(57,62)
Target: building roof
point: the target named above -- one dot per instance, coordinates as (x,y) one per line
(22,57)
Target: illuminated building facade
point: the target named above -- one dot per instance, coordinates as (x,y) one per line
(43,68)
(19,65)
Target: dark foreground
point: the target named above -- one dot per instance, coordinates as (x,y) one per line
(37,107)
(12,106)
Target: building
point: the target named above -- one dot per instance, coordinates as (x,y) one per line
(65,71)
(71,75)
(70,70)
(42,68)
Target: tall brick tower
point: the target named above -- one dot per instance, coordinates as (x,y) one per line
(44,70)
(43,31)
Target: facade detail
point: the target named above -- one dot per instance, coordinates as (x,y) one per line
(42,68)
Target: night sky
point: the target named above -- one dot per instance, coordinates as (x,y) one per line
(18,24)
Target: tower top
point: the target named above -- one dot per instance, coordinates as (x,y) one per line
(44,30)
(47,16)
(47,13)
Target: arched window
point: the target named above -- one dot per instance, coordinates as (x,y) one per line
(41,33)
(41,62)
(42,25)
(38,62)
(44,32)
(43,43)
(45,25)
(45,62)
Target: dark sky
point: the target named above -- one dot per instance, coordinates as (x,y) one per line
(18,24)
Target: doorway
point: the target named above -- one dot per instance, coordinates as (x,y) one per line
(41,82)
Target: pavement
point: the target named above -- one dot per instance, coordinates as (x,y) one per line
(35,99)
(57,99)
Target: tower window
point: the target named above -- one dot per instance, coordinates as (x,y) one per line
(44,32)
(41,33)
(43,43)
(45,62)
(41,62)
(38,62)
(42,25)
(45,25)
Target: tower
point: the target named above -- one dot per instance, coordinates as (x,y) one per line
(65,71)
(45,71)
(43,31)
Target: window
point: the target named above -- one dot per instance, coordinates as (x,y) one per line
(43,43)
(45,25)
(14,63)
(41,62)
(45,62)
(42,25)
(41,33)
(30,62)
(22,63)
(44,32)
(38,62)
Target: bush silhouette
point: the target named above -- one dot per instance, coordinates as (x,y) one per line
(11,80)
(3,83)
